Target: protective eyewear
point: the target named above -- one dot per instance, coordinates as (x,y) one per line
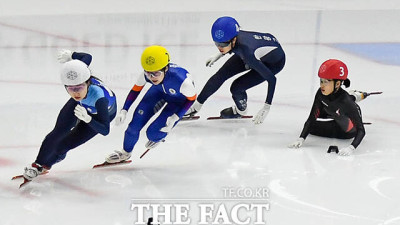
(75,88)
(153,74)
(222,44)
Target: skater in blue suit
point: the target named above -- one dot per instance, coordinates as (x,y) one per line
(88,112)
(172,88)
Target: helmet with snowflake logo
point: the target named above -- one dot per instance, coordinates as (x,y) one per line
(154,58)
(74,72)
(224,29)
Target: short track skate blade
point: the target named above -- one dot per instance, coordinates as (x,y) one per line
(105,164)
(26,181)
(221,118)
(144,153)
(22,176)
(374,93)
(17,177)
(189,118)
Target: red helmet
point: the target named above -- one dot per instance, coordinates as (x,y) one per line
(333,69)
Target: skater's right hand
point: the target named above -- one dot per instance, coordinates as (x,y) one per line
(213,59)
(169,124)
(297,144)
(346,151)
(120,118)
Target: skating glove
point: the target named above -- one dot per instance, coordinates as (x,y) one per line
(120,118)
(195,108)
(260,117)
(64,55)
(82,114)
(346,151)
(297,144)
(170,123)
(213,59)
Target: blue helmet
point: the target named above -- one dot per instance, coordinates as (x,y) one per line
(224,29)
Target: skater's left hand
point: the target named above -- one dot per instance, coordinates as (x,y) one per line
(170,123)
(260,117)
(346,151)
(64,55)
(82,114)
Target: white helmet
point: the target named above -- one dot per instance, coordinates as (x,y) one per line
(74,72)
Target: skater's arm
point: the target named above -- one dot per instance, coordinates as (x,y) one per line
(314,114)
(134,92)
(267,74)
(101,121)
(84,57)
(185,107)
(357,121)
(189,91)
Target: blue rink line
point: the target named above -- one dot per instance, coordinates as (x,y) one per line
(386,53)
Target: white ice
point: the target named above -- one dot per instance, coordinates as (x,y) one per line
(199,159)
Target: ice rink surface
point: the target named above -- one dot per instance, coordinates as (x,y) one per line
(201,159)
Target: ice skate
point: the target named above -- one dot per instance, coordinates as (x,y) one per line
(149,145)
(118,156)
(231,112)
(30,173)
(115,158)
(33,171)
(358,95)
(152,144)
(189,118)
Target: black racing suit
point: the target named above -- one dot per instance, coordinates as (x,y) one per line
(345,114)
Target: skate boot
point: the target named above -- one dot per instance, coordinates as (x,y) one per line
(232,112)
(358,95)
(118,156)
(152,144)
(33,171)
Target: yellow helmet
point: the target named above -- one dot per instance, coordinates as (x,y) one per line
(154,58)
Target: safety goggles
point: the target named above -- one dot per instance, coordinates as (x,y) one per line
(153,74)
(75,88)
(222,44)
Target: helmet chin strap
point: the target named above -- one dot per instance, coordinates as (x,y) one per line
(232,44)
(336,89)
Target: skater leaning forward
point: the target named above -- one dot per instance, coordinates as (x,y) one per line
(260,54)
(172,88)
(88,112)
